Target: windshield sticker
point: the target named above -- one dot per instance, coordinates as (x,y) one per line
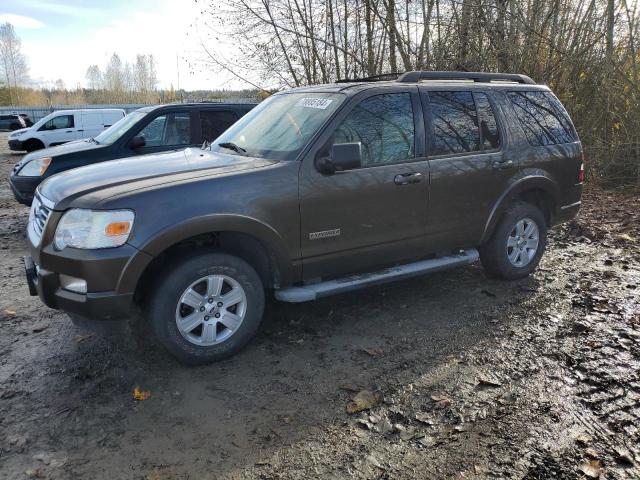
(320,103)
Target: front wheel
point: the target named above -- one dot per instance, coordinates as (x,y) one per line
(207,307)
(517,244)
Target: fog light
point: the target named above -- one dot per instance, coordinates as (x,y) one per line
(73,284)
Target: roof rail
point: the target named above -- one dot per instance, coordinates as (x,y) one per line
(374,78)
(414,77)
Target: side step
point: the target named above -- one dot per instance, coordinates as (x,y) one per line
(314,291)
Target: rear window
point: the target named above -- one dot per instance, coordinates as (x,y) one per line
(542,117)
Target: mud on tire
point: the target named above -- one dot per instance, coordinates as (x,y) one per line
(174,299)
(498,256)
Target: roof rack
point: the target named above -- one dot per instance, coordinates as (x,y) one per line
(414,77)
(374,78)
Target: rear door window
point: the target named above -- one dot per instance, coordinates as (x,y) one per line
(168,130)
(489,132)
(214,122)
(383,124)
(454,122)
(542,118)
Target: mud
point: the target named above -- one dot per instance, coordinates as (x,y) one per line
(467,377)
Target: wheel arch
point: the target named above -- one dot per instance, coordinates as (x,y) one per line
(537,189)
(249,239)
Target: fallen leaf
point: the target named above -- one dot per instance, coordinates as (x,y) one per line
(35,473)
(592,468)
(424,418)
(9,313)
(583,439)
(141,395)
(441,398)
(487,382)
(39,328)
(624,237)
(82,338)
(372,352)
(364,400)
(349,387)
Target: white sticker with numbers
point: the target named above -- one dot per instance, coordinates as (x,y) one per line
(320,103)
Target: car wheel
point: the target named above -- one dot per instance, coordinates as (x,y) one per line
(33,145)
(206,308)
(517,244)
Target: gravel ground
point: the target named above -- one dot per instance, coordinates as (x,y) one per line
(451,375)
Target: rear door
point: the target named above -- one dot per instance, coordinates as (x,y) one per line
(167,131)
(212,122)
(373,216)
(469,165)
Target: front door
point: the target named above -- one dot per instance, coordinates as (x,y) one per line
(61,129)
(373,216)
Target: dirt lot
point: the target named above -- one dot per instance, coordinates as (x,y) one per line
(463,377)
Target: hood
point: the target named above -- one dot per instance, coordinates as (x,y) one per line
(58,150)
(106,179)
(20,131)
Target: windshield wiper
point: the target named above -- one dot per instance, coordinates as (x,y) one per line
(232,146)
(93,140)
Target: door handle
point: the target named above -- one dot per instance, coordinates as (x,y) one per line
(69,131)
(407,178)
(502,164)
(80,130)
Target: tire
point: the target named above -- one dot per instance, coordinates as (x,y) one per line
(188,288)
(33,144)
(509,253)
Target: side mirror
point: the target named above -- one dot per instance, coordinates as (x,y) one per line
(344,156)
(137,142)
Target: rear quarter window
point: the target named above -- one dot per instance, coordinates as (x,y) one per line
(542,117)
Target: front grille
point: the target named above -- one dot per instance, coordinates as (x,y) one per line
(40,211)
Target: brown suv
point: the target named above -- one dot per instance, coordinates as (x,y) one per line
(316,191)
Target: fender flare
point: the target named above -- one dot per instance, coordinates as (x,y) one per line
(160,241)
(531,181)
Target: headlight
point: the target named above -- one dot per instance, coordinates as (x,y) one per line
(35,167)
(89,229)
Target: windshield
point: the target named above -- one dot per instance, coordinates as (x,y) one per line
(115,131)
(280,126)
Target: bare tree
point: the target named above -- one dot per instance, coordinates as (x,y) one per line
(12,60)
(94,77)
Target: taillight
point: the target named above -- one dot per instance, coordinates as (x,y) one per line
(581,172)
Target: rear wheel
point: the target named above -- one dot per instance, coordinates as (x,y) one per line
(33,145)
(517,244)
(207,307)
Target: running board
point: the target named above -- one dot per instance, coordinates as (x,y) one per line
(314,291)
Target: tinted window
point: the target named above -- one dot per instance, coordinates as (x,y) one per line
(383,124)
(489,133)
(213,123)
(540,118)
(169,129)
(62,121)
(455,123)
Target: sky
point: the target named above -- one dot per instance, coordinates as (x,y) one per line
(62,38)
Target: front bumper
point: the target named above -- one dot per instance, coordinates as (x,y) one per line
(16,145)
(23,188)
(98,306)
(102,270)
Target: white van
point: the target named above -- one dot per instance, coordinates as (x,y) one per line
(64,126)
